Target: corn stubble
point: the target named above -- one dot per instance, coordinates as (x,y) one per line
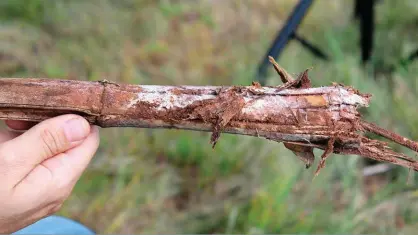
(295,113)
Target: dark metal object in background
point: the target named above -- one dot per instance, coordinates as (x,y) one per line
(364,12)
(413,55)
(312,48)
(410,58)
(287,33)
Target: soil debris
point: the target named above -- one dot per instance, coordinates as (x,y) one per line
(304,153)
(220,111)
(284,75)
(256,84)
(328,151)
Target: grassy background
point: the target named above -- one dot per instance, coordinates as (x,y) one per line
(170,181)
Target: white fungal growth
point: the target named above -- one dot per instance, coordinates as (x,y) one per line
(265,107)
(168,100)
(165,97)
(345,97)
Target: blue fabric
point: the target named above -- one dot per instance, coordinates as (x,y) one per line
(56,225)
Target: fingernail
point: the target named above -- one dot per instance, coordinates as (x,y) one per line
(76,129)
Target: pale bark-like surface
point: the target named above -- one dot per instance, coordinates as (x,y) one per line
(280,114)
(303,118)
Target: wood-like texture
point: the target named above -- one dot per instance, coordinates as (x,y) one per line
(303,118)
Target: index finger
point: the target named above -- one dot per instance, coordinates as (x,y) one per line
(19,125)
(14,129)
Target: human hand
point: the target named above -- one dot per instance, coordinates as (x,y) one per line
(39,167)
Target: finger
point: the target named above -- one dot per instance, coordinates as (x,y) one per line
(67,168)
(55,178)
(20,155)
(14,129)
(19,125)
(8,135)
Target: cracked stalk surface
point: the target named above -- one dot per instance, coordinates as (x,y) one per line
(300,116)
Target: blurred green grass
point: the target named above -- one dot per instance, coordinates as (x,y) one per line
(172,181)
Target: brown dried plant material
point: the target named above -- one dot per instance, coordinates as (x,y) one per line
(300,116)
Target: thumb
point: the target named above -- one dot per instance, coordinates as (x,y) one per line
(43,141)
